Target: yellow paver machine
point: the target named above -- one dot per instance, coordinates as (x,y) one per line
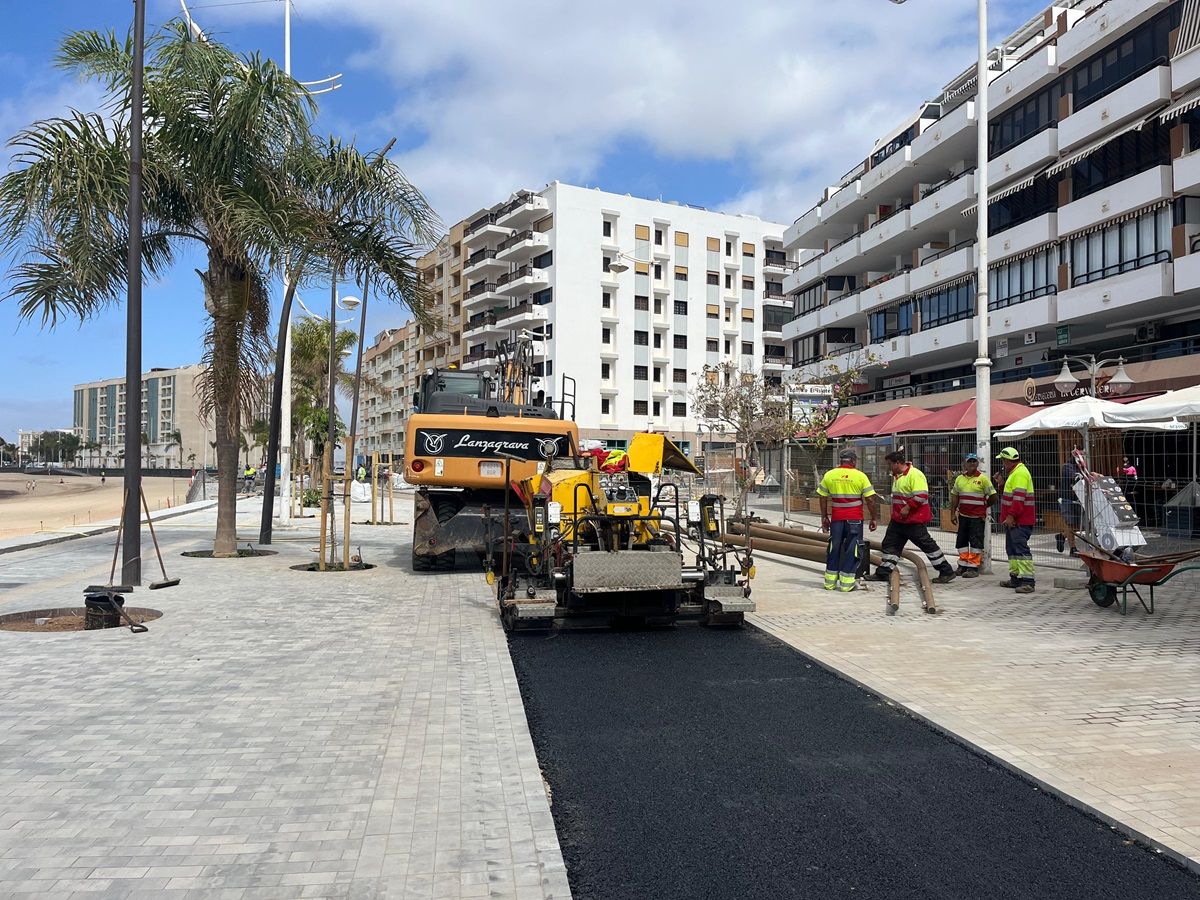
(581,546)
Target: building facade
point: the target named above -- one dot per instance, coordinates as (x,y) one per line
(170,404)
(1093,219)
(389,371)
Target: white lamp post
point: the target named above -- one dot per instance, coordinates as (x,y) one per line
(1119,384)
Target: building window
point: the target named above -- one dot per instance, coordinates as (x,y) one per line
(605,406)
(658,340)
(946,305)
(658,375)
(1026,204)
(641,373)
(657,409)
(658,271)
(641,408)
(642,303)
(748,250)
(605,371)
(658,307)
(606,264)
(713,278)
(607,228)
(810,299)
(712,311)
(806,350)
(1117,160)
(728,281)
(679,341)
(679,376)
(681,307)
(747,348)
(541,298)
(1024,279)
(681,239)
(747,283)
(1121,247)
(658,237)
(712,345)
(729,248)
(679,410)
(605,336)
(543,260)
(681,273)
(891,322)
(606,300)
(728,346)
(1123,60)
(641,338)
(1024,120)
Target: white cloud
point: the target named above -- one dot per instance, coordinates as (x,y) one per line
(516,94)
(41,97)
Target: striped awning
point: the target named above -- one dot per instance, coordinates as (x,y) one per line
(1006,192)
(1115,220)
(1189,28)
(1091,148)
(944,286)
(1184,104)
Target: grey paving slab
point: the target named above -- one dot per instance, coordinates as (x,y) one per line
(275,734)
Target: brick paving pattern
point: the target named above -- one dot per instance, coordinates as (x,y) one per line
(275,734)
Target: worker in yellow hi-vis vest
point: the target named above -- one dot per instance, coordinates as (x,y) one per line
(970,496)
(848,490)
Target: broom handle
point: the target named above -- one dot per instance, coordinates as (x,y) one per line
(153,537)
(112,573)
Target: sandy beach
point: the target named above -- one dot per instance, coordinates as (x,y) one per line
(52,506)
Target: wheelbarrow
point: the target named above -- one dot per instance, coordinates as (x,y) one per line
(1108,576)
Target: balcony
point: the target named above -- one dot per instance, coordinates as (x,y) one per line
(877,239)
(840,308)
(883,292)
(481,261)
(946,265)
(1022,315)
(875,179)
(798,235)
(777,264)
(1137,98)
(772,361)
(481,291)
(1187,270)
(526,277)
(481,324)
(1186,172)
(802,325)
(479,359)
(522,246)
(803,277)
(943,203)
(947,140)
(941,338)
(843,205)
(1104,296)
(776,296)
(1027,76)
(1025,236)
(841,257)
(482,228)
(522,315)
(1140,190)
(1109,21)
(1185,71)
(523,209)
(1025,158)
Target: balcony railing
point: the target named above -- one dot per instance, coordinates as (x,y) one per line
(521,199)
(773,360)
(1119,268)
(479,355)
(948,251)
(482,287)
(480,319)
(507,277)
(525,235)
(774,294)
(780,261)
(479,223)
(480,255)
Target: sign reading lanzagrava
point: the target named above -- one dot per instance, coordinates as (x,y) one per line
(454,442)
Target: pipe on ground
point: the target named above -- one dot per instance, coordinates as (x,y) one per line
(763,530)
(813,553)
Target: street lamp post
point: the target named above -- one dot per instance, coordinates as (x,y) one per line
(1119,385)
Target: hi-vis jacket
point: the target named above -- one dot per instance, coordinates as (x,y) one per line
(911,490)
(847,489)
(1017,498)
(973,492)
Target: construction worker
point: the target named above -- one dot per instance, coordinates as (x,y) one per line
(970,496)
(248,477)
(1018,516)
(911,515)
(848,489)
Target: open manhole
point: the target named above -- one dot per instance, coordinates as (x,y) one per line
(66,618)
(243,553)
(315,567)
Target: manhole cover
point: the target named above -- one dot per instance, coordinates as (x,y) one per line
(315,567)
(243,553)
(63,618)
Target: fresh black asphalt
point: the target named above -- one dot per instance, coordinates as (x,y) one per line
(689,763)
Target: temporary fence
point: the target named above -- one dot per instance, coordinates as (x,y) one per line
(1155,470)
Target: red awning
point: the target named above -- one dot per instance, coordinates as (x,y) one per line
(894,421)
(961,417)
(847,425)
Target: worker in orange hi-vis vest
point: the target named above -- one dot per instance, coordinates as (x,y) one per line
(970,497)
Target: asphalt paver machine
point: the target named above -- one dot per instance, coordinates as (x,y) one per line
(584,547)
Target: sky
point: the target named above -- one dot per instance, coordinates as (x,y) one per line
(752,107)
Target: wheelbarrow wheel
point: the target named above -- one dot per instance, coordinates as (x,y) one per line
(1102,593)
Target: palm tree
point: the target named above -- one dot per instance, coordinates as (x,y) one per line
(230,164)
(174,439)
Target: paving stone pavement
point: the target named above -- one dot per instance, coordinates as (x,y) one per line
(274,734)
(1100,708)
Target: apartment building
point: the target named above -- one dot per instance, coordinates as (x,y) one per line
(390,367)
(170,403)
(628,297)
(1093,219)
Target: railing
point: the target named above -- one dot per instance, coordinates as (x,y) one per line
(523,307)
(489,219)
(806,212)
(480,256)
(479,355)
(481,319)
(933,188)
(1023,297)
(948,251)
(773,294)
(483,287)
(770,359)
(525,235)
(509,277)
(1128,265)
(521,199)
(781,262)
(894,212)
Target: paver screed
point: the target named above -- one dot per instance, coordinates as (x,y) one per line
(275,734)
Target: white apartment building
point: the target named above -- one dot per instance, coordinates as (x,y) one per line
(390,380)
(633,298)
(169,404)
(1094,218)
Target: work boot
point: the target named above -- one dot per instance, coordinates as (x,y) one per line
(1009,583)
(1024,588)
(1060,541)
(882,574)
(947,575)
(969,573)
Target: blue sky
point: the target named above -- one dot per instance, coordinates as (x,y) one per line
(751,107)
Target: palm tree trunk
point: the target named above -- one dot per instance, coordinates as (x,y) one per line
(225,375)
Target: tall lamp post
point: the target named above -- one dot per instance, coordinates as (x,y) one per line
(131,556)
(983,359)
(1120,384)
